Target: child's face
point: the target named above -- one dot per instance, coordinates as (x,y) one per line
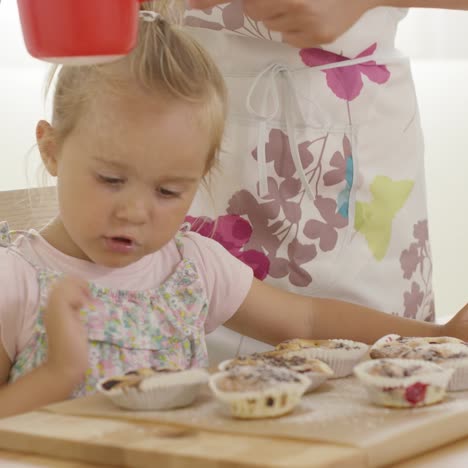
(127,175)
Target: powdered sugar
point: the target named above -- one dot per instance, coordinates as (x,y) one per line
(339,412)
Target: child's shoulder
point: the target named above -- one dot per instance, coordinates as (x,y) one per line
(211,254)
(14,260)
(18,279)
(18,296)
(194,243)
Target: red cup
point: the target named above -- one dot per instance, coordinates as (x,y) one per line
(79,31)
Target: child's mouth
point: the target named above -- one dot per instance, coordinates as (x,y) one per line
(120,244)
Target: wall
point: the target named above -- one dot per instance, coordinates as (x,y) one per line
(442,90)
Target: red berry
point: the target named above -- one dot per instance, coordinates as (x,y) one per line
(416,393)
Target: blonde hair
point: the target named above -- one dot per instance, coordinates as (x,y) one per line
(166,59)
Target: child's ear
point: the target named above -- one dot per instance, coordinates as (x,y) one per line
(46,141)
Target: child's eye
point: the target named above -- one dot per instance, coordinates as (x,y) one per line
(166,193)
(110,180)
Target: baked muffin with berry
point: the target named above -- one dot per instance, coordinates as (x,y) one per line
(261,391)
(449,355)
(403,383)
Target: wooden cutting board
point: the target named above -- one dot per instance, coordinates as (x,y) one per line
(338,413)
(334,426)
(129,444)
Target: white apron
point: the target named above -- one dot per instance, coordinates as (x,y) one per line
(321,184)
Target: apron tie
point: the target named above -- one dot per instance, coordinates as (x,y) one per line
(266,82)
(270,92)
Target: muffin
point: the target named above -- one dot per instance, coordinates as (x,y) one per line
(150,389)
(340,355)
(263,391)
(443,350)
(394,346)
(447,355)
(315,370)
(403,383)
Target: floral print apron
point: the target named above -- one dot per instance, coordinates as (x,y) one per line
(321,184)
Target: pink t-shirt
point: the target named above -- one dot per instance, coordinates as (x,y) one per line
(226,280)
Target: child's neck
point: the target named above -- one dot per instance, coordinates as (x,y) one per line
(57,236)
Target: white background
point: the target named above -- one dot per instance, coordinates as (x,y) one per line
(437,42)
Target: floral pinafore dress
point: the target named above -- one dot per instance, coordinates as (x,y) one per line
(161,327)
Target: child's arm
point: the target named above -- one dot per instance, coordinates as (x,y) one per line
(67,354)
(40,387)
(273,315)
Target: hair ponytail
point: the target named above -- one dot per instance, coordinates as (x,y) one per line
(166,60)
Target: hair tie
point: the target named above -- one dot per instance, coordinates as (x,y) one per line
(149,16)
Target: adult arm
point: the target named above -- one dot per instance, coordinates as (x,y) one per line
(309,23)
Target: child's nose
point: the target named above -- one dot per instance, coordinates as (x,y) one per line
(133,209)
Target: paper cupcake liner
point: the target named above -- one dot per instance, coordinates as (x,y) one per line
(396,398)
(459,380)
(159,392)
(342,361)
(315,380)
(277,400)
(392,391)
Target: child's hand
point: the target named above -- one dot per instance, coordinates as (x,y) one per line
(303,23)
(66,334)
(458,326)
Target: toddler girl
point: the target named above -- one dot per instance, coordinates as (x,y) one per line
(113,283)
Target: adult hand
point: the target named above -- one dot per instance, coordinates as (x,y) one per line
(66,335)
(302,23)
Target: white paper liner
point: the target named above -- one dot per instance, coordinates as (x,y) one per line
(315,378)
(459,380)
(342,361)
(279,399)
(396,398)
(390,391)
(159,392)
